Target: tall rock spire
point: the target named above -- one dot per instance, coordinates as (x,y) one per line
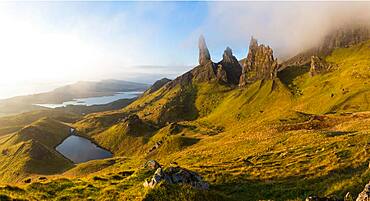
(229,69)
(204,56)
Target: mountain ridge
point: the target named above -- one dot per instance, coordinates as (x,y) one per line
(236,137)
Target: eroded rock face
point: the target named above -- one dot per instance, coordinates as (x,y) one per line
(318,66)
(229,69)
(259,64)
(204,56)
(365,194)
(344,37)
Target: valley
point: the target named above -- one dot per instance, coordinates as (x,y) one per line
(253,129)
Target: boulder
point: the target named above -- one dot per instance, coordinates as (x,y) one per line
(259,64)
(365,194)
(176,175)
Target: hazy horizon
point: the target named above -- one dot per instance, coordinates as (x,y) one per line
(49,44)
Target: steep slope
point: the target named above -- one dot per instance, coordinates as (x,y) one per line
(344,89)
(14,123)
(280,137)
(338,38)
(31,150)
(242,137)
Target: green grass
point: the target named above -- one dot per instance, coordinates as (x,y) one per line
(281,139)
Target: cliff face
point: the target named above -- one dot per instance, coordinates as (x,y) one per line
(344,37)
(340,38)
(229,69)
(259,64)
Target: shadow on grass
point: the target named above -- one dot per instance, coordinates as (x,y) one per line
(298,187)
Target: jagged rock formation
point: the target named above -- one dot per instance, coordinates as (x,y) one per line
(229,69)
(318,66)
(365,194)
(157,85)
(340,38)
(204,56)
(175,175)
(226,71)
(259,64)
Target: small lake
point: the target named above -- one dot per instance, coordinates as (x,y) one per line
(79,149)
(95,100)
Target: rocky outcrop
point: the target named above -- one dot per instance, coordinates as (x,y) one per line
(259,64)
(204,56)
(157,85)
(175,175)
(318,66)
(365,194)
(135,126)
(227,71)
(229,68)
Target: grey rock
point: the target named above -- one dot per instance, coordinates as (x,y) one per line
(204,56)
(365,194)
(176,175)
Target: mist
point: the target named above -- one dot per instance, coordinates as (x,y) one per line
(288,27)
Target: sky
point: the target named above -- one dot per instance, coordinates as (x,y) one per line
(48,44)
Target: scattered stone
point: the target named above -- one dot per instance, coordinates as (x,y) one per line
(42,178)
(365,194)
(176,175)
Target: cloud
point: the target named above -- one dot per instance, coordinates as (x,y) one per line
(289,27)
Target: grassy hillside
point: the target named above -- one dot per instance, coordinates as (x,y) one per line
(281,139)
(14,123)
(30,150)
